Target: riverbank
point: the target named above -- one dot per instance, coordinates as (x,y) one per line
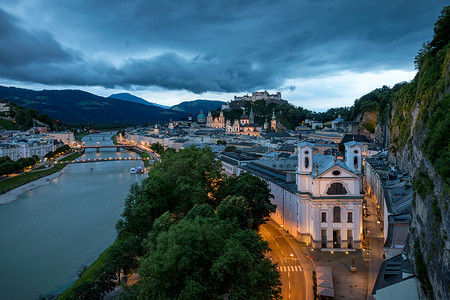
(13,187)
(14,193)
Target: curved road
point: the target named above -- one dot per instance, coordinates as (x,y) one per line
(292,261)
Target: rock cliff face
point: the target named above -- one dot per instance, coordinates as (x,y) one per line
(368,124)
(417,130)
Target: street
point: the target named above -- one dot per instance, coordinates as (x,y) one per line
(290,256)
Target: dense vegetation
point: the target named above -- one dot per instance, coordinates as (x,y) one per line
(419,123)
(194,107)
(58,151)
(190,234)
(427,92)
(24,118)
(8,166)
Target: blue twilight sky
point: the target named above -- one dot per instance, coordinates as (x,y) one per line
(318,53)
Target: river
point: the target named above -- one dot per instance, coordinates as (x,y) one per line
(48,234)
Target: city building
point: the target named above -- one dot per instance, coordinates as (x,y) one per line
(218,122)
(67,137)
(320,201)
(201,119)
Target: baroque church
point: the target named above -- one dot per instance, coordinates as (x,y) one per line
(322,204)
(245,125)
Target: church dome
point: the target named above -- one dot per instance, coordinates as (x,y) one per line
(201,118)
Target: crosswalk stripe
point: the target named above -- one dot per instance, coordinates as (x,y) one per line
(289,268)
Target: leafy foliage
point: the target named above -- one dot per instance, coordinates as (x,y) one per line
(256,195)
(175,184)
(207,258)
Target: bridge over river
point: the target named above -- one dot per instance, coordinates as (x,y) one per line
(92,160)
(98,147)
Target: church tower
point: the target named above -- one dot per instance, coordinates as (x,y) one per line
(305,154)
(273,122)
(305,167)
(209,119)
(251,117)
(353,156)
(221,120)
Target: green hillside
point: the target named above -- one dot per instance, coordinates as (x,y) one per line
(194,107)
(75,106)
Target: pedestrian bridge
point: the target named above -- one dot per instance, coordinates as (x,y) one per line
(92,160)
(118,146)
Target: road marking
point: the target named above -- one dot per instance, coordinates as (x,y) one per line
(285,260)
(279,246)
(289,285)
(281,252)
(289,268)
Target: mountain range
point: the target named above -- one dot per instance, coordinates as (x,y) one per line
(132,98)
(80,107)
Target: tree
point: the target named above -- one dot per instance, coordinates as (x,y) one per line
(230,148)
(235,209)
(175,184)
(256,194)
(36,159)
(202,210)
(208,258)
(441,35)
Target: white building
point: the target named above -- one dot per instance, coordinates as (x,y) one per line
(67,137)
(26,148)
(321,202)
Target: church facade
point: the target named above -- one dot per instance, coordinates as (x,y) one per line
(218,122)
(322,206)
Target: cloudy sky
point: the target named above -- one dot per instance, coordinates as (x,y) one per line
(318,53)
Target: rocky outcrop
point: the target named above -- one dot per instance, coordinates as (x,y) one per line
(417,113)
(368,124)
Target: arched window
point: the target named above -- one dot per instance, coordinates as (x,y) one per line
(355,161)
(306,162)
(336,214)
(336,188)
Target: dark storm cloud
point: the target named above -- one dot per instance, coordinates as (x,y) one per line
(224,46)
(20,47)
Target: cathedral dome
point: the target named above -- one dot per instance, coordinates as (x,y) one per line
(201,118)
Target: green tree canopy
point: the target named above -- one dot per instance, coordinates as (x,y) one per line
(256,194)
(208,258)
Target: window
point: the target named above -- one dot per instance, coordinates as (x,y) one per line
(336,173)
(349,217)
(355,161)
(336,188)
(306,162)
(336,214)
(324,216)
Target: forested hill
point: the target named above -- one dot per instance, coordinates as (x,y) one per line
(75,106)
(194,107)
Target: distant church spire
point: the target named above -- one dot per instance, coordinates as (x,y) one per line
(251,117)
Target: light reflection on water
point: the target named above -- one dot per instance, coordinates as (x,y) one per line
(49,233)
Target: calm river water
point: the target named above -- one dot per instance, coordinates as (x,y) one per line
(49,233)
